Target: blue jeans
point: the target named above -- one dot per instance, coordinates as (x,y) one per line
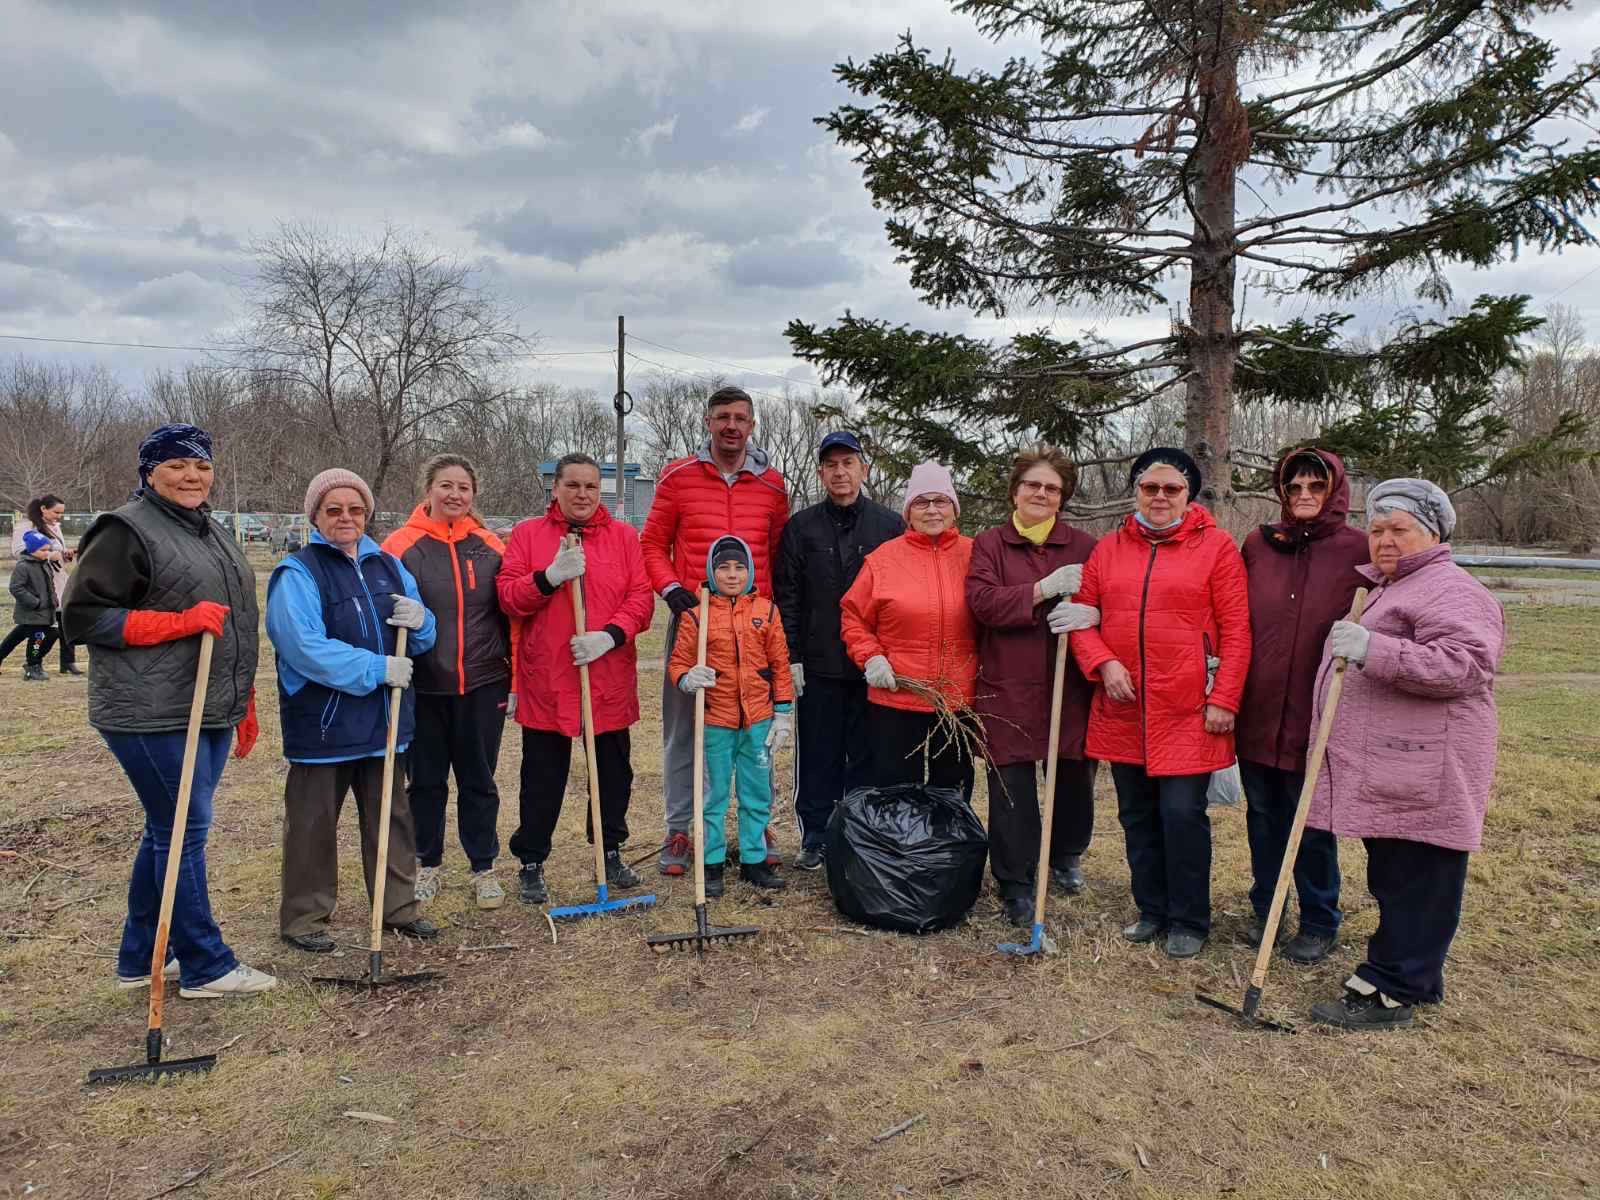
(153,762)
(1271,796)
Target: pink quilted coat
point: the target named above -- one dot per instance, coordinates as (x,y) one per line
(1412,750)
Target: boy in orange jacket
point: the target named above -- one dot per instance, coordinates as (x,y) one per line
(749,694)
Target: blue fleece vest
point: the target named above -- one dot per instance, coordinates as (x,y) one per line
(319,722)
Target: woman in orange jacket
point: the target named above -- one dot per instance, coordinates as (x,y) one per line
(749,693)
(906,617)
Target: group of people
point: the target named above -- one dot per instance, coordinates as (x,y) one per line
(38,582)
(854,628)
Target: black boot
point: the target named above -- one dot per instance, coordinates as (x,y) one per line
(618,874)
(1355,1011)
(530,884)
(714,887)
(1018,910)
(762,876)
(1068,877)
(34,673)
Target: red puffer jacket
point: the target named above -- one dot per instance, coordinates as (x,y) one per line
(616,595)
(1164,605)
(694,506)
(909,604)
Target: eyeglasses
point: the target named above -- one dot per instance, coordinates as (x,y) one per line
(1315,488)
(336,510)
(1034,485)
(923,503)
(1170,490)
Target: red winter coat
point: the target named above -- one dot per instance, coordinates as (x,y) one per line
(1016,650)
(616,595)
(694,506)
(1302,579)
(1163,605)
(909,604)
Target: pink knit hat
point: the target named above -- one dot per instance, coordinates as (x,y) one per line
(930,479)
(336,477)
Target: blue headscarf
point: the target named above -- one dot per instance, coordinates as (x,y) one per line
(171,441)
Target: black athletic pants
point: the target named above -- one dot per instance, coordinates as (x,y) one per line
(1169,845)
(546,761)
(1418,888)
(897,737)
(832,753)
(460,733)
(39,638)
(1015,821)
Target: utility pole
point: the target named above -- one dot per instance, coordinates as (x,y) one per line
(623,403)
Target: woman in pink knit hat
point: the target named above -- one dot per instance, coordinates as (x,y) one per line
(906,617)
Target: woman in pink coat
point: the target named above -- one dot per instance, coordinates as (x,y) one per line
(618,604)
(1410,759)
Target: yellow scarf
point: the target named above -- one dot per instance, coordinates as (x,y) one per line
(1034,533)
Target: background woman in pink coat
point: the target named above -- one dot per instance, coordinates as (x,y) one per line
(1411,756)
(618,604)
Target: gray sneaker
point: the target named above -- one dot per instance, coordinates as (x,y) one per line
(241,981)
(487,889)
(676,854)
(428,880)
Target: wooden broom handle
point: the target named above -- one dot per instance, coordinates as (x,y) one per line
(1269,935)
(1047,825)
(704,617)
(386,803)
(586,698)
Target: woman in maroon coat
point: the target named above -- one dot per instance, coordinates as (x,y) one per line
(1302,573)
(1019,571)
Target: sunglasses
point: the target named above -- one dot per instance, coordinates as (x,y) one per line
(1315,488)
(1170,490)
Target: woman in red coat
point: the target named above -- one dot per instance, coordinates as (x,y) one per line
(618,605)
(906,617)
(1020,572)
(1170,654)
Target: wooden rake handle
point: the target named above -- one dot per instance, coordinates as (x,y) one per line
(1269,936)
(1041,882)
(704,619)
(386,803)
(180,820)
(586,697)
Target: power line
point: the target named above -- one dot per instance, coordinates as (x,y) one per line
(24,337)
(697,375)
(722,363)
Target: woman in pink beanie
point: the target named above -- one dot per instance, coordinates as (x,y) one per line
(906,617)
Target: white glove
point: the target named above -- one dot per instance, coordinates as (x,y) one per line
(408,613)
(1213,663)
(1063,581)
(567,564)
(781,731)
(697,679)
(879,673)
(511,705)
(1067,616)
(586,647)
(798,674)
(1348,641)
(396,671)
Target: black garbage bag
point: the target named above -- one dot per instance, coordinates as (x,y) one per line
(908,857)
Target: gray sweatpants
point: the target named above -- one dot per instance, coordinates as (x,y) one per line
(677,744)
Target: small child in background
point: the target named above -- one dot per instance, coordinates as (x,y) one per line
(749,694)
(33,587)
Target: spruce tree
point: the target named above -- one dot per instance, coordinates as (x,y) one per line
(1313,149)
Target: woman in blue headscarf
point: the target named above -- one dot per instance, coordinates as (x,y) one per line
(152,576)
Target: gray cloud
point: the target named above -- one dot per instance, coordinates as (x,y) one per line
(791,265)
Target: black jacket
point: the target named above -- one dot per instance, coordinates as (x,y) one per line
(819,556)
(33,587)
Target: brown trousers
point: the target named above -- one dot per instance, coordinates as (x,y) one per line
(312,800)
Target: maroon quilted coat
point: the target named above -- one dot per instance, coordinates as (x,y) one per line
(1016,650)
(1302,578)
(1164,603)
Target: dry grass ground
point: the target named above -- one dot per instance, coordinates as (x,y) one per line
(592,1068)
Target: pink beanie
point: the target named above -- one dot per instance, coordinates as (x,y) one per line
(930,479)
(336,477)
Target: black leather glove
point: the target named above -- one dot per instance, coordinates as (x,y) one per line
(681,600)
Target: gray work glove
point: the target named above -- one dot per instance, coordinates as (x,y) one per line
(567,564)
(396,671)
(1063,581)
(1067,616)
(797,672)
(511,705)
(408,613)
(586,647)
(697,679)
(1348,641)
(879,673)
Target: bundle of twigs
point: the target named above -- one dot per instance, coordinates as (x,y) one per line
(954,724)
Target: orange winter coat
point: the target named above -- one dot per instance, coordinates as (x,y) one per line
(745,647)
(909,604)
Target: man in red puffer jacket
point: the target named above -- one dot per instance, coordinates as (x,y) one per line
(729,487)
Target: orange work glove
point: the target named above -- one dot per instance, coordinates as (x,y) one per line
(146,627)
(248,730)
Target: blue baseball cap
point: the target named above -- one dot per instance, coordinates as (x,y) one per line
(841,439)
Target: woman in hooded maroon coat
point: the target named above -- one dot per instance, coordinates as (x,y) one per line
(1020,572)
(1302,573)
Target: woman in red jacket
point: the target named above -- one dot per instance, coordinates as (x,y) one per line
(618,605)
(906,616)
(1170,654)
(1021,571)
(462,696)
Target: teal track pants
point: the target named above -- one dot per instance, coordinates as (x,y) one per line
(738,754)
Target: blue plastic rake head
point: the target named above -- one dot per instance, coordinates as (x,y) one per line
(1040,943)
(602,906)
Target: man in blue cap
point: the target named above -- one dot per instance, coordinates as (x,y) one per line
(819,555)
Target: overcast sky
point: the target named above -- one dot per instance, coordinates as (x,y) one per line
(655,158)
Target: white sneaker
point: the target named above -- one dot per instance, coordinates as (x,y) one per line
(490,893)
(428,883)
(134,983)
(241,981)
